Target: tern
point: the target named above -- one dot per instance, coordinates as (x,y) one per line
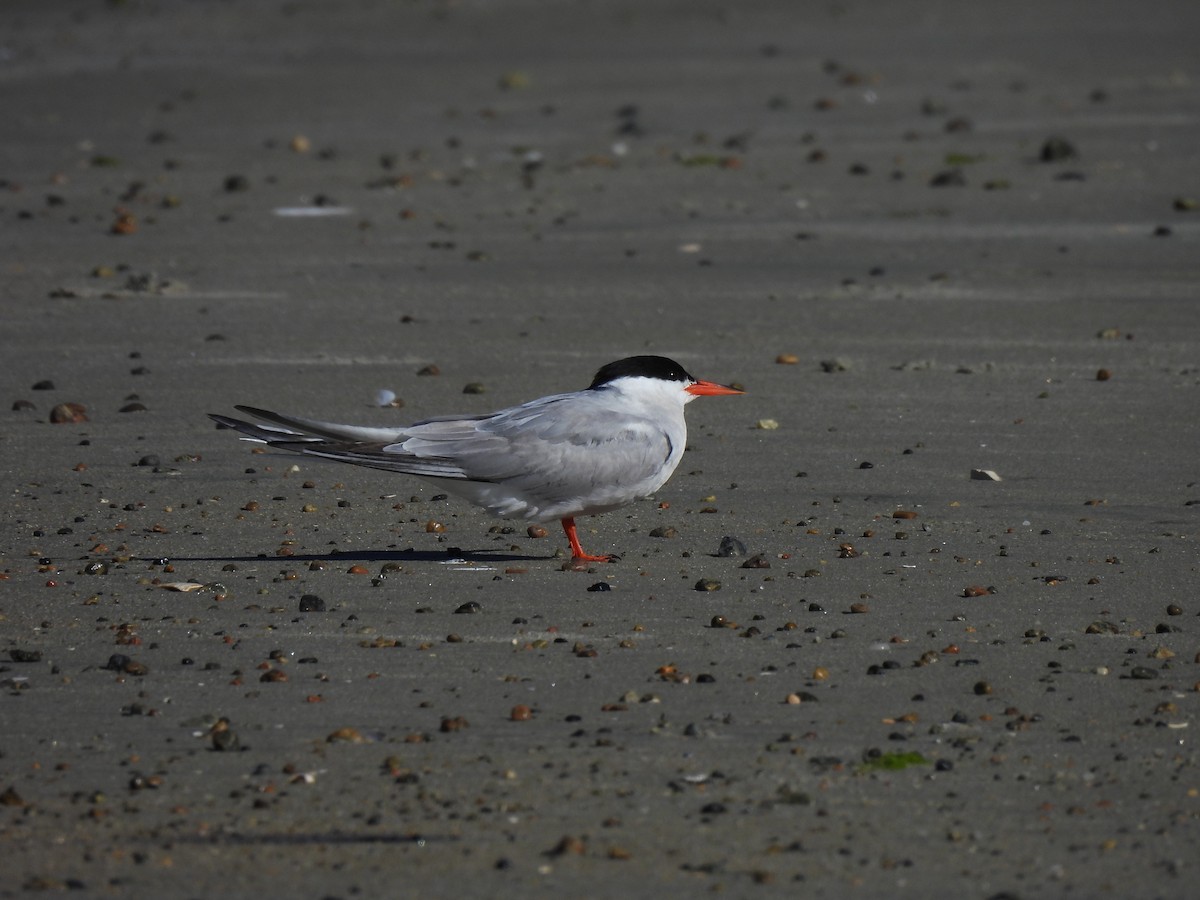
(557,457)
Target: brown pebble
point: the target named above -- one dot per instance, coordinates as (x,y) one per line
(1103,375)
(346,735)
(904,514)
(787,359)
(859,608)
(536,531)
(10,797)
(982,688)
(521,713)
(976,590)
(434,527)
(125,223)
(357,570)
(456,723)
(68,414)
(569,845)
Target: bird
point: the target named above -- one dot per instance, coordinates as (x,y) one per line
(558,457)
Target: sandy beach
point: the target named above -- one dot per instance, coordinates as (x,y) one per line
(931,241)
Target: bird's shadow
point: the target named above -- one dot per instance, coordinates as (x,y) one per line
(380,556)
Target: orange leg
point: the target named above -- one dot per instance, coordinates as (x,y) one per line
(568,525)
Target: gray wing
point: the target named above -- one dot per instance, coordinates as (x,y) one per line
(560,443)
(566,443)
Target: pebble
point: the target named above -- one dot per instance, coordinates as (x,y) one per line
(68,414)
(311,603)
(1057,149)
(984,475)
(469,608)
(731,546)
(708,584)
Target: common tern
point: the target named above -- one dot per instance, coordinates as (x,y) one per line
(557,457)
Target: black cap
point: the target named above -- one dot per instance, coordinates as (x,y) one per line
(641,366)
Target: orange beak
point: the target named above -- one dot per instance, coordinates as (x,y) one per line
(710,389)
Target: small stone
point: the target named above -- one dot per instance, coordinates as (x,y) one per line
(223,737)
(708,584)
(10,797)
(311,603)
(599,586)
(984,475)
(1103,374)
(68,414)
(520,713)
(948,178)
(474,387)
(1057,149)
(469,608)
(982,688)
(663,531)
(731,546)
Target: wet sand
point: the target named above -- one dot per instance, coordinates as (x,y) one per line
(914,683)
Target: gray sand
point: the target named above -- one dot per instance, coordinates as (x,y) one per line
(521,192)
